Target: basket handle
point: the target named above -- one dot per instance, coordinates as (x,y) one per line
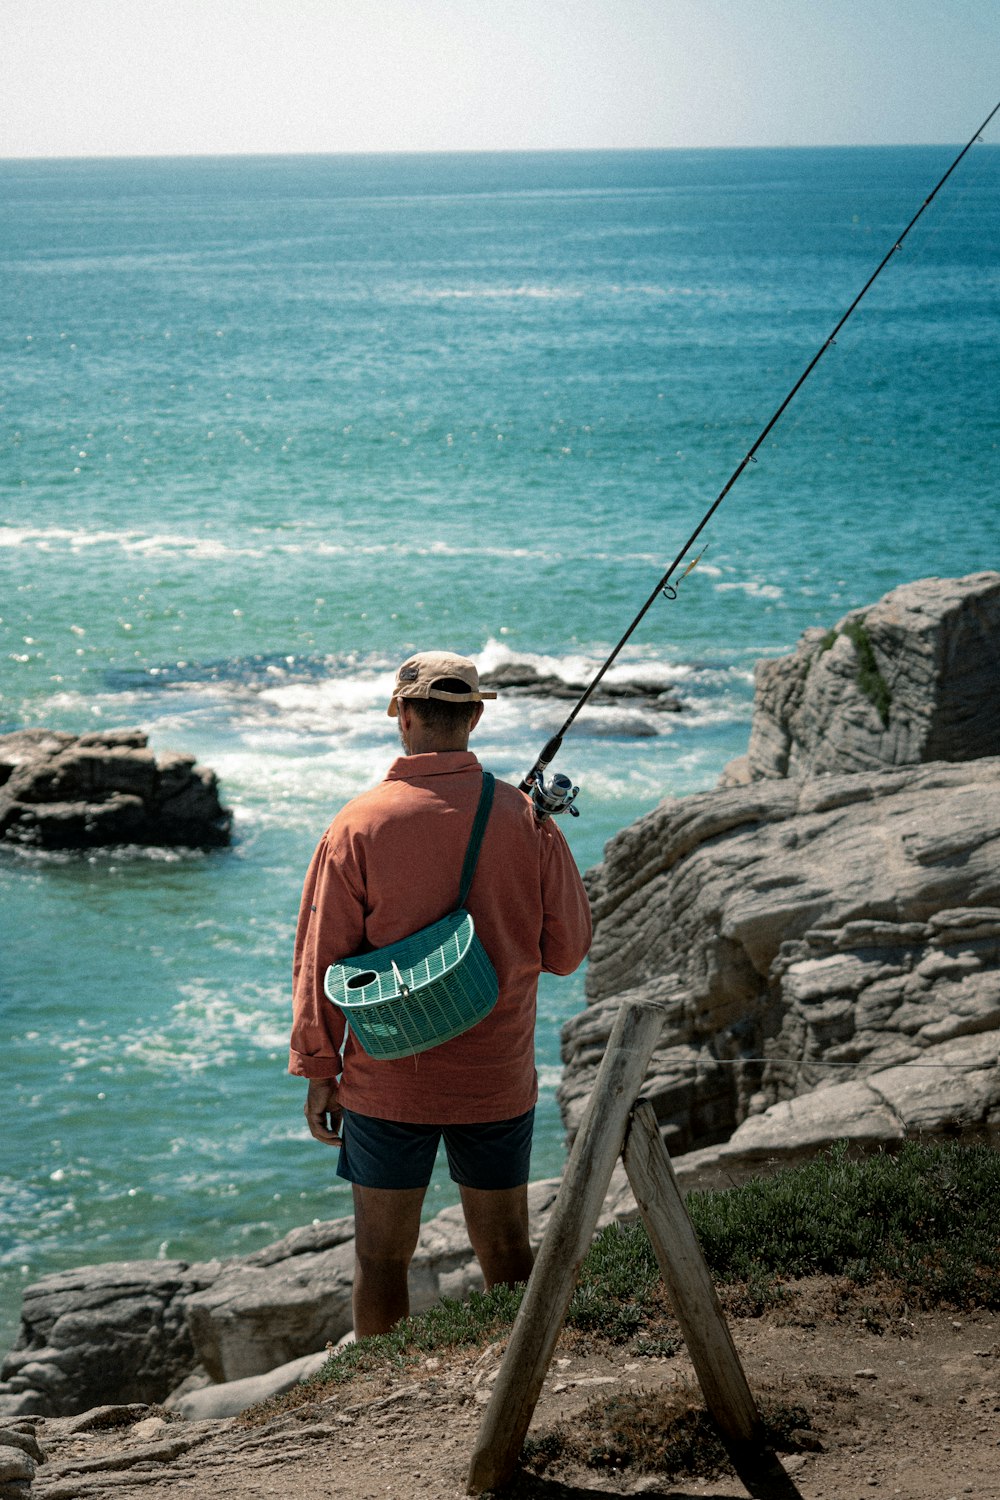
(476,837)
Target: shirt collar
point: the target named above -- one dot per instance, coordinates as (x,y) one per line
(434,763)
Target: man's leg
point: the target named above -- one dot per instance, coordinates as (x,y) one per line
(497,1221)
(386,1226)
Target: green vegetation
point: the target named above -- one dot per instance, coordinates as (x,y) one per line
(923,1218)
(449,1325)
(920,1224)
(868,677)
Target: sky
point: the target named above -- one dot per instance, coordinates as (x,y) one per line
(183,77)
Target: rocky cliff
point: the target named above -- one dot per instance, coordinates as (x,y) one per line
(828,944)
(913,678)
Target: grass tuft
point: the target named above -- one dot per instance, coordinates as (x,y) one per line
(923,1218)
(869,678)
(666,1432)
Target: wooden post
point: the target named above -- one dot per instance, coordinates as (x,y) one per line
(570,1230)
(697,1308)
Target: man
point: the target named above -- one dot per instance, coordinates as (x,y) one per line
(388,865)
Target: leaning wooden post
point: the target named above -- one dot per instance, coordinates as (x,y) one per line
(697,1308)
(567,1239)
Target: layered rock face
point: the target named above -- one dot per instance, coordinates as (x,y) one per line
(801,933)
(914,678)
(827,946)
(65,791)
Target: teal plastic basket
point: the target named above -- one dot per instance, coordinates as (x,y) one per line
(417,993)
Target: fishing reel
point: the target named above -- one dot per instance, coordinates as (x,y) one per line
(557,797)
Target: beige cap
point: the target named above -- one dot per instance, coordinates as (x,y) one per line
(418,676)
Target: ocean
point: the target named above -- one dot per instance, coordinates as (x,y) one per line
(269,425)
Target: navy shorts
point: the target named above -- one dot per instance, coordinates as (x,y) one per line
(391,1154)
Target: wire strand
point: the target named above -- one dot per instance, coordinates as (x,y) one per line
(733,1062)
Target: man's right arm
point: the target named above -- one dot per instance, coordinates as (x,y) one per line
(331,927)
(566,923)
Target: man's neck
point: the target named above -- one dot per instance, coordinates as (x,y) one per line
(426,745)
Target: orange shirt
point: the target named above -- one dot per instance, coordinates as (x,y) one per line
(388,865)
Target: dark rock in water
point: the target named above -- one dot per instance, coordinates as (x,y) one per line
(911,679)
(520,679)
(66,791)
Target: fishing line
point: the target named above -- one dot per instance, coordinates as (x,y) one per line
(560,794)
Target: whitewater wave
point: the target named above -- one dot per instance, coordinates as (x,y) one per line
(752,587)
(75,542)
(564,293)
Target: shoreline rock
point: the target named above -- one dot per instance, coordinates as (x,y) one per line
(166,1331)
(814,931)
(66,791)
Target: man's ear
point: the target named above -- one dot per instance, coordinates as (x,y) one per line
(477,715)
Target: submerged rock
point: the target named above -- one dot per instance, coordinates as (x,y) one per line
(520,679)
(65,791)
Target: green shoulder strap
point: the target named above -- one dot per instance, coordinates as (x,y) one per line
(476,837)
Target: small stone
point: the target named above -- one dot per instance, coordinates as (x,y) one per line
(100,1417)
(13,1437)
(149,1427)
(866,1374)
(802,1437)
(15,1465)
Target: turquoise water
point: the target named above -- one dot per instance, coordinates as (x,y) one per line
(270,425)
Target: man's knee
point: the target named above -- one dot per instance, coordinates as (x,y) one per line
(500,1239)
(380,1265)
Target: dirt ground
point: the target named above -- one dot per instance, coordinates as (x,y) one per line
(899,1403)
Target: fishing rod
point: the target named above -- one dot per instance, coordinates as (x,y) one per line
(559,794)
